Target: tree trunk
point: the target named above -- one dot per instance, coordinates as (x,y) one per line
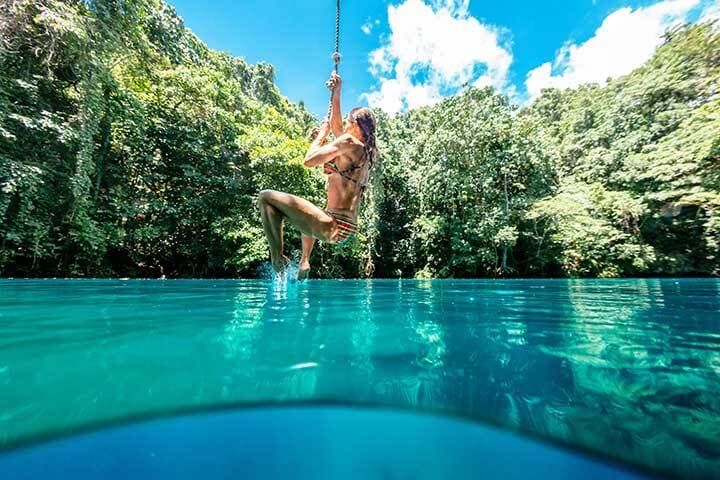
(102,155)
(507,209)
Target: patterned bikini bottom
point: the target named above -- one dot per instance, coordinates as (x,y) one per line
(346,226)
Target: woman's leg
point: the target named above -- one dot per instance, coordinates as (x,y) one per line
(307,246)
(311,220)
(273,226)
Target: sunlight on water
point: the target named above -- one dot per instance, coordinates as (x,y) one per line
(627,368)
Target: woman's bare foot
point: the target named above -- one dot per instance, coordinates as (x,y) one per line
(303,270)
(280,264)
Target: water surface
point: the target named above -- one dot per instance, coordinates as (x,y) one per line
(624,368)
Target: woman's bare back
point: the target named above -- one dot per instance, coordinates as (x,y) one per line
(345,185)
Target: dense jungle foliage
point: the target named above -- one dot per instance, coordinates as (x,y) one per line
(128,148)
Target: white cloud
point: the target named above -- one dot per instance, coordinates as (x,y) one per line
(625,40)
(367,27)
(711,13)
(434,48)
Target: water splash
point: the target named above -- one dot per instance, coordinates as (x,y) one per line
(291,271)
(266,271)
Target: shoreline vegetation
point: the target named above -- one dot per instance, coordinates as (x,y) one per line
(128,148)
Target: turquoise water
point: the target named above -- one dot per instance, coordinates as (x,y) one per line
(625,368)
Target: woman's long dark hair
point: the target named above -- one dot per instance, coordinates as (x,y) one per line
(365,120)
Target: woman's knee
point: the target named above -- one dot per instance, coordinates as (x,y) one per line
(267,197)
(264,196)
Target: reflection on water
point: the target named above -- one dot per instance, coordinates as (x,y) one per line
(629,368)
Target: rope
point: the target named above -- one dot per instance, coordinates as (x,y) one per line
(336,54)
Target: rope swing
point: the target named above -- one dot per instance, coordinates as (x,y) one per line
(336,54)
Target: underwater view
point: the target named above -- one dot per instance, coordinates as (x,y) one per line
(623,371)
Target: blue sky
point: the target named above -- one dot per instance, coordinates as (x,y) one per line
(402,54)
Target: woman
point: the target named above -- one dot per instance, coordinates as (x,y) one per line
(347,160)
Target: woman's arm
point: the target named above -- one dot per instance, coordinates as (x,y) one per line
(320,154)
(336,122)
